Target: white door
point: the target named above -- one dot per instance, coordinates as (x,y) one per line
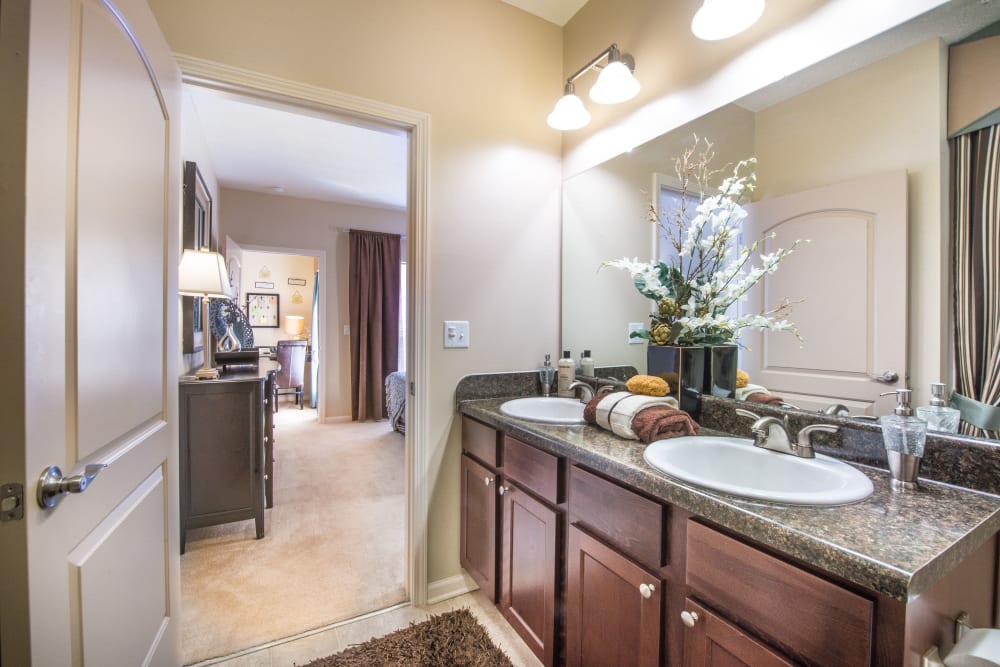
(93,581)
(851,280)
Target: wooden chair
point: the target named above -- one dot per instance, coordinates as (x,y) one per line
(292,359)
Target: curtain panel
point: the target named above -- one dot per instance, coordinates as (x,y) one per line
(975,170)
(374,311)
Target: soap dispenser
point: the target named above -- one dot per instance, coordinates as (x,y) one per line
(904,435)
(567,375)
(938,415)
(547,374)
(587,364)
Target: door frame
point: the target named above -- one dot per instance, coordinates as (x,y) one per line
(416,124)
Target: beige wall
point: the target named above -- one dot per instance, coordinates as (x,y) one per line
(250,220)
(485,72)
(292,299)
(889,115)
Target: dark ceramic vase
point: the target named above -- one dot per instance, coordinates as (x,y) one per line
(684,369)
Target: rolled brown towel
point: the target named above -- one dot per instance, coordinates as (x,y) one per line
(659,422)
(590,410)
(767,399)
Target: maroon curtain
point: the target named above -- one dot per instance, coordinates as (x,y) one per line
(374,305)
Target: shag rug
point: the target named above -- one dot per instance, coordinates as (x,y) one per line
(450,639)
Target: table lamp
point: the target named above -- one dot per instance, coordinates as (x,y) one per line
(203,273)
(295,325)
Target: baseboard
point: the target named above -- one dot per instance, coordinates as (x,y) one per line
(337,420)
(451,587)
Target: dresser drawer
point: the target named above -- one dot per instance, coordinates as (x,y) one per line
(634,523)
(826,624)
(535,470)
(481,441)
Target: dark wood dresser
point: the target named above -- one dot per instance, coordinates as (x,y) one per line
(226,449)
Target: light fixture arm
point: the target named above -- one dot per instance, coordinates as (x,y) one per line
(612,54)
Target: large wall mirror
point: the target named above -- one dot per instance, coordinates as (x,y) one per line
(874,120)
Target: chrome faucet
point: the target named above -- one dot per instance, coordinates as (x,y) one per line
(586,395)
(772,433)
(837,410)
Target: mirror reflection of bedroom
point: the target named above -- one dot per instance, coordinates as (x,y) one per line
(315,251)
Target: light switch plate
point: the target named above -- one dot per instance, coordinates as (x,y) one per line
(635,326)
(456,334)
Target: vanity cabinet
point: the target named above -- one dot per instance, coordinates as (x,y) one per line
(613,606)
(531,545)
(711,641)
(479,551)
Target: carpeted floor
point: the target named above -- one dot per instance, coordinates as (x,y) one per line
(333,545)
(446,640)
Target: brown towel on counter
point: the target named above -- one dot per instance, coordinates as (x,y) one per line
(590,410)
(659,422)
(761,397)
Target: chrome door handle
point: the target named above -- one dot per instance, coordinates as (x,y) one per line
(646,590)
(889,377)
(52,485)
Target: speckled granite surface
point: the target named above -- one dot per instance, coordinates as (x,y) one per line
(526,383)
(896,544)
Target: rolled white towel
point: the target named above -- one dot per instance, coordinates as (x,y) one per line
(604,407)
(625,410)
(743,392)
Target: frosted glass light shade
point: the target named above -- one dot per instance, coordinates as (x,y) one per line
(569,113)
(615,84)
(719,19)
(203,273)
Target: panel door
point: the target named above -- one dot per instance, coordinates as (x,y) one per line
(528,580)
(848,293)
(613,607)
(94,580)
(711,641)
(479,525)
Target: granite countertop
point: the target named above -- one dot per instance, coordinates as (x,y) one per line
(898,544)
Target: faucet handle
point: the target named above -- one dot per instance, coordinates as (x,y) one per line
(746,413)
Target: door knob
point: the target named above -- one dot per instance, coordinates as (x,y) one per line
(889,377)
(487,480)
(689,618)
(646,590)
(52,485)
(504,489)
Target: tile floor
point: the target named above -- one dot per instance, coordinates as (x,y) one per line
(303,649)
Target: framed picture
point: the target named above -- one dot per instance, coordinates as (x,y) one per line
(197,234)
(296,281)
(262,309)
(263,285)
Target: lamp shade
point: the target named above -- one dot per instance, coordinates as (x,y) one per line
(294,325)
(615,84)
(569,113)
(203,273)
(719,19)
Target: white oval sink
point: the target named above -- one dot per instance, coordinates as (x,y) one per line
(547,409)
(735,466)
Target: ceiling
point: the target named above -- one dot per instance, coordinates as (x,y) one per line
(554,11)
(266,147)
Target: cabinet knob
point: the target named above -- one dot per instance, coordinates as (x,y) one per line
(689,618)
(487,480)
(647,590)
(504,489)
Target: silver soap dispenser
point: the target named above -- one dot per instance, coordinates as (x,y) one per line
(904,434)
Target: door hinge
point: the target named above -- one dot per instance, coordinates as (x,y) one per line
(11,502)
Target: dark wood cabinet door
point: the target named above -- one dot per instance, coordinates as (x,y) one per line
(479,525)
(528,580)
(613,607)
(713,642)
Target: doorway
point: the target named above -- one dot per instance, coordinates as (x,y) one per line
(414,494)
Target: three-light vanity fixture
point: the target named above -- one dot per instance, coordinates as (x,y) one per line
(717,19)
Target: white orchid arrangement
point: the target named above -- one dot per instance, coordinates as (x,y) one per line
(694,293)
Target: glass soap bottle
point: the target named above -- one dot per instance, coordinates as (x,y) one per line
(938,415)
(904,435)
(546,375)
